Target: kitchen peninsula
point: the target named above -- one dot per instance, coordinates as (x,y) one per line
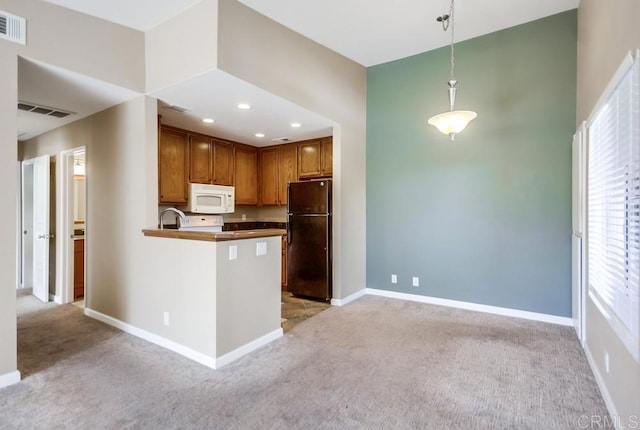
(224,290)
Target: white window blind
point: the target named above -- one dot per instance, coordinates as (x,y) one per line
(613,211)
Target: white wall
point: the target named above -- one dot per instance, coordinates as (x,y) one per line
(182,47)
(281,61)
(606,32)
(8,225)
(82,43)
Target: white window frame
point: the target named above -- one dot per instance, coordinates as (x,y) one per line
(613,290)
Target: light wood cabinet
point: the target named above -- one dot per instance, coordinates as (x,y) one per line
(211,161)
(288,170)
(326,156)
(200,156)
(223,162)
(278,167)
(173,166)
(246,175)
(315,158)
(78,268)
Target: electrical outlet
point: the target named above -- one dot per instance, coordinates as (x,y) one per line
(394,279)
(233,252)
(261,248)
(244,217)
(606,361)
(415,281)
(166,318)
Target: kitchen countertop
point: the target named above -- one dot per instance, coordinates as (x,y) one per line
(213,236)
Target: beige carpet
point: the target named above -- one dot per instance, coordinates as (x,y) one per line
(375,364)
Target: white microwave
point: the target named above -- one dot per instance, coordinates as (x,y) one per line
(211,199)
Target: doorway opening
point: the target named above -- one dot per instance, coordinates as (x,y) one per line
(72,214)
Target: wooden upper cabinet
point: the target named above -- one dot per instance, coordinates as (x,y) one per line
(173,166)
(309,159)
(288,170)
(201,153)
(269,176)
(315,158)
(326,156)
(223,162)
(246,175)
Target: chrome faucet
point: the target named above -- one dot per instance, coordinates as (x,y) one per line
(178,213)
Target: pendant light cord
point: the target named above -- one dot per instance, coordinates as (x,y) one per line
(451,18)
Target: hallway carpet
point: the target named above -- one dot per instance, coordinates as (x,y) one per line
(376,363)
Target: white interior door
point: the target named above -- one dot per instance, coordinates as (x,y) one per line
(26,261)
(41,234)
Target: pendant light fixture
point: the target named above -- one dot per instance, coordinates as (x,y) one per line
(453,121)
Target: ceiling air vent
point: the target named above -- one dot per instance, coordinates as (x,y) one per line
(281,140)
(13,28)
(179,108)
(43,110)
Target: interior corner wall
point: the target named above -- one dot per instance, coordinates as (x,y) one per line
(8,215)
(183,47)
(486,218)
(606,32)
(264,53)
(81,43)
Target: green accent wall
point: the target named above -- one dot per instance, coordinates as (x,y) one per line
(487,218)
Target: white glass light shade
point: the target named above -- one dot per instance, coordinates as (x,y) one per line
(452,122)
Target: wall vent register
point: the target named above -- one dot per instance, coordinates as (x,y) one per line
(13,28)
(43,110)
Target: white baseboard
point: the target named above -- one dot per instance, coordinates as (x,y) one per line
(213,363)
(553,319)
(9,378)
(608,401)
(348,299)
(153,338)
(58,300)
(248,347)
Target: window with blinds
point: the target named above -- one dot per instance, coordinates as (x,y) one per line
(613,210)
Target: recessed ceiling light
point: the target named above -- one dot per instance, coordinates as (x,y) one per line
(208,120)
(296,124)
(259,134)
(244,106)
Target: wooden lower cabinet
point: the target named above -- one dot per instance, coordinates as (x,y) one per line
(78,269)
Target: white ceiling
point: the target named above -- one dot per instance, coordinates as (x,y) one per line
(142,15)
(53,87)
(367,32)
(269,114)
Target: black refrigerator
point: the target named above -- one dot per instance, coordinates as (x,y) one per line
(309,239)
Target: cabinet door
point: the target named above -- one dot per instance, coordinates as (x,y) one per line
(223,162)
(173,164)
(246,176)
(269,176)
(200,152)
(309,159)
(326,156)
(288,170)
(78,268)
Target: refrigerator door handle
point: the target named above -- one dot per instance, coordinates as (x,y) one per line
(289,234)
